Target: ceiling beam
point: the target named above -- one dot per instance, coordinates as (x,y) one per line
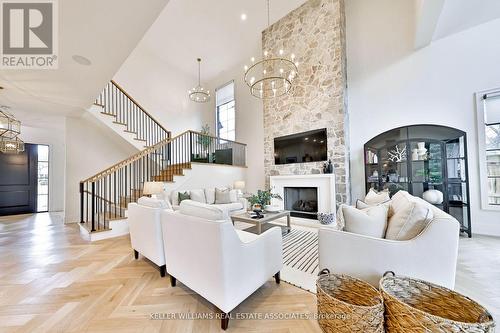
(428,13)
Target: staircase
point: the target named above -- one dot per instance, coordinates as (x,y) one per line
(124,115)
(104,197)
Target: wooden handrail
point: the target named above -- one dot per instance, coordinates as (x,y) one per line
(137,104)
(132,158)
(214,137)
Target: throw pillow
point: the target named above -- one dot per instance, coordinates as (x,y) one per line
(153,202)
(340,222)
(370,221)
(233,196)
(183,196)
(362,205)
(198,196)
(210,195)
(408,221)
(374,198)
(222,196)
(204,211)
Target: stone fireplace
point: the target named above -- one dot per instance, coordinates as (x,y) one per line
(315,33)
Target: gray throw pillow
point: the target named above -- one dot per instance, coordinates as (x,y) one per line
(222,196)
(184,196)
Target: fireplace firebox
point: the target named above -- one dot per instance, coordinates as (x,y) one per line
(301,201)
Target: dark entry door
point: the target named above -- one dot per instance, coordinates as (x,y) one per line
(18,182)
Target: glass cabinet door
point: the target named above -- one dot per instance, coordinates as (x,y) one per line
(427,170)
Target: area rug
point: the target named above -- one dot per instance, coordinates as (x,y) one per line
(300,258)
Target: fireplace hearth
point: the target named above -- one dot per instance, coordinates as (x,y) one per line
(301,201)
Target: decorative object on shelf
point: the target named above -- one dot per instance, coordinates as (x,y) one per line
(371,157)
(263,198)
(397,155)
(375,173)
(273,75)
(10,128)
(328,167)
(326,218)
(360,305)
(434,197)
(199,94)
(153,188)
(392,176)
(413,305)
(414,154)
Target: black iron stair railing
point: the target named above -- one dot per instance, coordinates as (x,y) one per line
(104,197)
(116,102)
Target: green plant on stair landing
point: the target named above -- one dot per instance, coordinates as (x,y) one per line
(263,198)
(204,140)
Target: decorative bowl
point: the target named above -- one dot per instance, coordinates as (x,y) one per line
(272,208)
(326,218)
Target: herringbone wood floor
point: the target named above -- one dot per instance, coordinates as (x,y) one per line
(53,281)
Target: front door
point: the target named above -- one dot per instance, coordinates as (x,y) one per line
(18,182)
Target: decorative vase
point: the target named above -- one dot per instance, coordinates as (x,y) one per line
(421,145)
(326,218)
(414,154)
(434,197)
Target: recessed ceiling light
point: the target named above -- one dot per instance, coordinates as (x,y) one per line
(81,60)
(243,17)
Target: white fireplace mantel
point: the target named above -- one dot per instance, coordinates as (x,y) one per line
(325,183)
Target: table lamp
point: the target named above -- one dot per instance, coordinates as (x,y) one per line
(153,188)
(240,186)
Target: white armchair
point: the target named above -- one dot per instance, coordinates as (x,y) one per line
(431,256)
(145,234)
(221,264)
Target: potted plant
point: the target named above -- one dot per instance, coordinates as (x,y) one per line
(204,140)
(262,199)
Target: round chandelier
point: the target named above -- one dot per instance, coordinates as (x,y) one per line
(10,128)
(199,94)
(273,75)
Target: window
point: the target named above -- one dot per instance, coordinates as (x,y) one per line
(488,107)
(226,112)
(43,179)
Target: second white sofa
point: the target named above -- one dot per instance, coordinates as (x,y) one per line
(220,263)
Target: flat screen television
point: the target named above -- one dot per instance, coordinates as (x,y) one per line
(301,147)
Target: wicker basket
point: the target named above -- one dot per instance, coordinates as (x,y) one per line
(413,305)
(346,304)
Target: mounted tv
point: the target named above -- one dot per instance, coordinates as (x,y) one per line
(301,147)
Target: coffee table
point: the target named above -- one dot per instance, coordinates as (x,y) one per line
(263,224)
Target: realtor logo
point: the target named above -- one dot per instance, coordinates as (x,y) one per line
(29,34)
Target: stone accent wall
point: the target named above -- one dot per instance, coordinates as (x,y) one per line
(315,33)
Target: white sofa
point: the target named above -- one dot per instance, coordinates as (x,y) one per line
(430,256)
(145,233)
(236,206)
(220,263)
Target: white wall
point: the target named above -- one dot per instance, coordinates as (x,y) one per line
(390,84)
(90,148)
(249,124)
(162,90)
(207,176)
(54,137)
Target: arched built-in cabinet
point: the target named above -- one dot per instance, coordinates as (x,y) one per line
(426,161)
